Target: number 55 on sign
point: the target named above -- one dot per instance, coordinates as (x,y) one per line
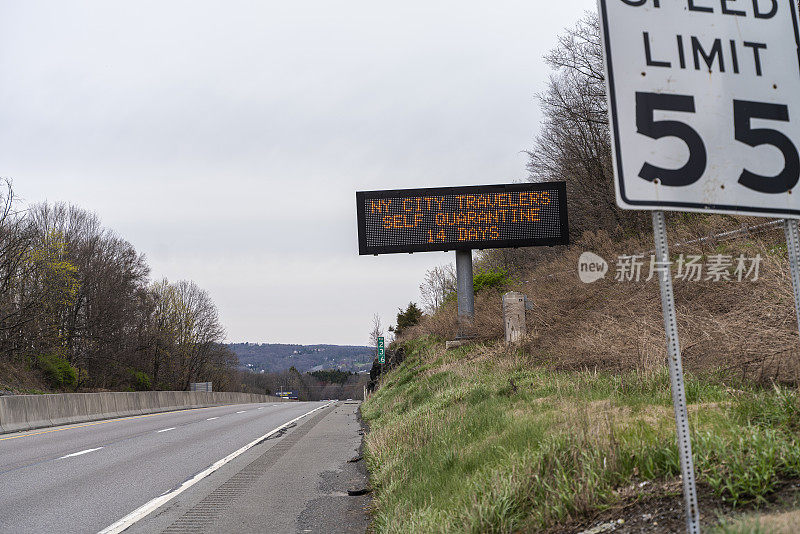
(704,98)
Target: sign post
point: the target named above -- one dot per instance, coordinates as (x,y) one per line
(676,373)
(793,251)
(465,293)
(381,351)
(704,109)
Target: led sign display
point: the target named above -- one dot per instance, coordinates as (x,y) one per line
(470,217)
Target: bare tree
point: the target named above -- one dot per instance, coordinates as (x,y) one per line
(21,305)
(376,332)
(439,282)
(74,291)
(93,324)
(574,142)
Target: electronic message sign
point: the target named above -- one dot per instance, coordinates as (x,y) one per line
(459,218)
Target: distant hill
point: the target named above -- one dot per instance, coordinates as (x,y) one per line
(272,357)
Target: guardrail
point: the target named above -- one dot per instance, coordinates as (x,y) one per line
(28,412)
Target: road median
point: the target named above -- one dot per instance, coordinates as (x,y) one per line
(28,412)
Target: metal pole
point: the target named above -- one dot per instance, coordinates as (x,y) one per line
(676,374)
(793,250)
(464,292)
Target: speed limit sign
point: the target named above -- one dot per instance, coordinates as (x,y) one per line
(704,102)
(704,109)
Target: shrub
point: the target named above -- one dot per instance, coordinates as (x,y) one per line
(57,370)
(485,279)
(406,319)
(141,381)
(491,278)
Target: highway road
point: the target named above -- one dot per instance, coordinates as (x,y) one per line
(86,477)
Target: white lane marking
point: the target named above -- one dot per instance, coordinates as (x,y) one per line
(212,418)
(241,411)
(159,501)
(165,430)
(79,453)
(261,408)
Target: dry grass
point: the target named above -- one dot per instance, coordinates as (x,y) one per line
(781,523)
(772,523)
(19,378)
(745,327)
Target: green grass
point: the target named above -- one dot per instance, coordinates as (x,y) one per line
(490,444)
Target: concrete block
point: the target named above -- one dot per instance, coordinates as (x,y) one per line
(128,403)
(12,414)
(14,417)
(36,408)
(164,401)
(205,398)
(514,316)
(176,399)
(108,405)
(94,406)
(150,401)
(191,399)
(122,403)
(2,412)
(65,408)
(139,403)
(179,399)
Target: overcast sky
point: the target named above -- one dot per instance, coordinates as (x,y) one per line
(225,140)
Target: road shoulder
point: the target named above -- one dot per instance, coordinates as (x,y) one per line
(295,482)
(345,499)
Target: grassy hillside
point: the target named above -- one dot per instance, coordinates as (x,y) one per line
(478,439)
(573,426)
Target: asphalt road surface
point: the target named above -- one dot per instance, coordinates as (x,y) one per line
(89,476)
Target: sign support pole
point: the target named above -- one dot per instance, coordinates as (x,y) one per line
(465,293)
(676,373)
(793,251)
